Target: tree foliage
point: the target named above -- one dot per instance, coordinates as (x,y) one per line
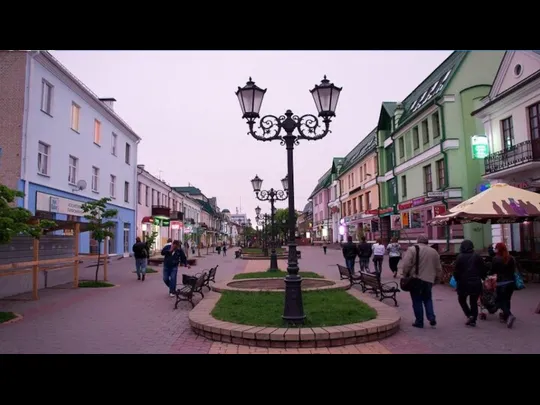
(14,221)
(281,219)
(99,222)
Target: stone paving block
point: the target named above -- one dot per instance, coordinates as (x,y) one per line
(320,333)
(278,334)
(292,334)
(237,331)
(264,334)
(347,332)
(307,334)
(250,333)
(334,332)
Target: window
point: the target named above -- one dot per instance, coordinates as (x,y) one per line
(352,180)
(354,205)
(401,147)
(365,171)
(368,200)
(403,186)
(95,178)
(361,203)
(97,132)
(147,196)
(139,192)
(507,128)
(436,122)
(72,175)
(112,190)
(425,131)
(114,143)
(349,209)
(46,96)
(126,191)
(75,117)
(128,153)
(43,158)
(416,139)
(428,183)
(534,121)
(441,181)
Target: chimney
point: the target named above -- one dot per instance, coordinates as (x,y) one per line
(109,102)
(398,112)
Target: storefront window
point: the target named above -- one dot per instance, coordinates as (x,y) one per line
(416,220)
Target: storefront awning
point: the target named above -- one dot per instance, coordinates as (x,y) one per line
(147,220)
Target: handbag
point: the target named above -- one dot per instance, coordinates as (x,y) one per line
(411,283)
(518,280)
(453,282)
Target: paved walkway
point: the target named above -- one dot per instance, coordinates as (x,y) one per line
(137,317)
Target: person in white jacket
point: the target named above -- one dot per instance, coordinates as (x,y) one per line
(378,255)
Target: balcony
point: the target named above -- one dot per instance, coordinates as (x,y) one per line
(177,215)
(516,158)
(161,211)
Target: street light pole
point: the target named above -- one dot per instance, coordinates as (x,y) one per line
(271,195)
(308,127)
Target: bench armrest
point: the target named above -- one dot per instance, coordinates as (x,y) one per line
(392,284)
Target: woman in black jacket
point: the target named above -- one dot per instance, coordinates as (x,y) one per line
(504,266)
(469,273)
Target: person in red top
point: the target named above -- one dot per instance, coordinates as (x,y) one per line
(504,266)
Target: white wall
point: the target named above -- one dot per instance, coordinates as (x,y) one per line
(144,209)
(55,130)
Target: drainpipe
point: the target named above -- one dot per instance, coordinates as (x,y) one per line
(29,66)
(445,157)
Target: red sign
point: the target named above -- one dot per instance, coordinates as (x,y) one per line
(371,212)
(439,210)
(404,206)
(386,210)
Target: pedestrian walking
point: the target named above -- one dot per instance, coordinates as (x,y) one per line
(394,255)
(186,248)
(469,272)
(324,247)
(172,258)
(350,251)
(504,267)
(421,264)
(364,253)
(378,256)
(224,249)
(141,254)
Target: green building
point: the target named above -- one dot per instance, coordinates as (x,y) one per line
(424,149)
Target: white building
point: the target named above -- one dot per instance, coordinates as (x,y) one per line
(158,209)
(63,146)
(240,219)
(511,117)
(334,200)
(192,214)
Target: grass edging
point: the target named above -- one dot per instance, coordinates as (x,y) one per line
(323,308)
(9,317)
(95,284)
(149,270)
(274,274)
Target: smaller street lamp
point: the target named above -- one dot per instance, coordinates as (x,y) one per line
(272,196)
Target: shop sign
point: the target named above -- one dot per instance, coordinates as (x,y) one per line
(404,206)
(418,201)
(479,146)
(371,212)
(385,211)
(395,222)
(175,225)
(439,210)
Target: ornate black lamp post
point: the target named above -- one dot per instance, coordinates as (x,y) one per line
(272,196)
(308,127)
(262,221)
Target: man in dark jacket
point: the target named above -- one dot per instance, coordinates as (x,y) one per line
(349,253)
(364,253)
(173,256)
(469,272)
(141,253)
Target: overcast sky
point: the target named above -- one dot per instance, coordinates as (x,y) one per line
(183,106)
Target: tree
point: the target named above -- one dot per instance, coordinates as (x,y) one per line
(151,241)
(99,217)
(14,221)
(281,219)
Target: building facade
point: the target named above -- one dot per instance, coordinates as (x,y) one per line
(334,201)
(63,146)
(511,118)
(359,196)
(421,138)
(321,214)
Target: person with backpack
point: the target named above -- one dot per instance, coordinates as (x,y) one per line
(349,254)
(421,268)
(141,254)
(394,255)
(364,253)
(469,272)
(173,256)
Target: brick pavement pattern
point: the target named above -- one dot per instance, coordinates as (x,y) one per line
(138,317)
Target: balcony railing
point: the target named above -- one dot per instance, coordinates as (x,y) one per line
(524,152)
(160,210)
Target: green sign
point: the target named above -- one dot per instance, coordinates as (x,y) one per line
(162,221)
(480,147)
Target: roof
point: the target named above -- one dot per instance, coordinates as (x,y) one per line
(323,183)
(388,108)
(226,211)
(366,145)
(308,208)
(188,190)
(433,85)
(336,164)
(206,207)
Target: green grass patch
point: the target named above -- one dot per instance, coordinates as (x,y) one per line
(7,316)
(94,284)
(260,251)
(149,270)
(274,274)
(322,308)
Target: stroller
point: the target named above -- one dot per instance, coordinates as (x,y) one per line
(487,300)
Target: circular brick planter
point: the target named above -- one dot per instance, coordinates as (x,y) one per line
(260,257)
(18,317)
(278,284)
(385,325)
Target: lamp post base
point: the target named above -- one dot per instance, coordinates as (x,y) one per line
(273,260)
(293,313)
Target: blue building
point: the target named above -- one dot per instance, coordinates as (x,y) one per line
(63,146)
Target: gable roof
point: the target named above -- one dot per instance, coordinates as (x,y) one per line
(433,85)
(324,182)
(387,111)
(366,145)
(336,165)
(188,190)
(206,207)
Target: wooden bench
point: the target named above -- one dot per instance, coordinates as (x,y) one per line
(371,282)
(345,274)
(238,254)
(186,292)
(211,277)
